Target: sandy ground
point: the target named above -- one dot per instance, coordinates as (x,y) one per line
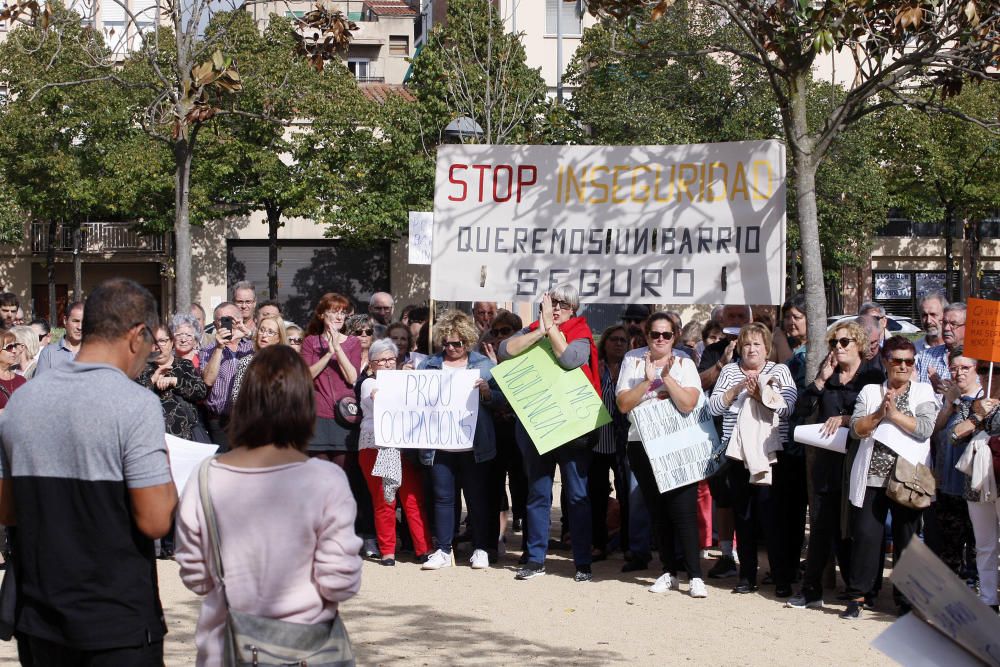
(460,616)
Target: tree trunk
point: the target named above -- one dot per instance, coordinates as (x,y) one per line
(805,162)
(50,266)
(183,152)
(949,250)
(273,225)
(77,264)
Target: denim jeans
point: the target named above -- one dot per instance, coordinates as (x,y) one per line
(640,525)
(574,464)
(475,478)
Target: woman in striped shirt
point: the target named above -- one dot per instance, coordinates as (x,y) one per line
(738,383)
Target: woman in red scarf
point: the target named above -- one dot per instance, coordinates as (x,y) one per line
(573,345)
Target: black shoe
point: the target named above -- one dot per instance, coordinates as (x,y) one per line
(745,587)
(852,612)
(530,571)
(783,591)
(370,549)
(388,562)
(583,576)
(635,565)
(768,580)
(724,568)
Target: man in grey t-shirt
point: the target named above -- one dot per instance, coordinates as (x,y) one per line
(86,486)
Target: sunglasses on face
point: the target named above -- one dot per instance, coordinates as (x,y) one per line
(561,305)
(364,332)
(454,343)
(295,341)
(900,361)
(618,339)
(657,335)
(843,342)
(502,331)
(11,347)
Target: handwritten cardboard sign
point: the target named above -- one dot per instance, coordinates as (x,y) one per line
(421,240)
(426,409)
(982,330)
(554,405)
(946,603)
(682,449)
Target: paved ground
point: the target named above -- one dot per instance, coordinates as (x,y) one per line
(405,616)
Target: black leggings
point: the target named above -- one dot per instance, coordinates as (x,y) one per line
(674,514)
(868,534)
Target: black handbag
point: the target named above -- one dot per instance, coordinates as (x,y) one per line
(347,412)
(256,640)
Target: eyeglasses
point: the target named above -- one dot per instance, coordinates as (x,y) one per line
(267,332)
(41,337)
(879,317)
(381,309)
(958,368)
(454,343)
(391,361)
(364,332)
(502,331)
(244,304)
(657,335)
(900,361)
(561,305)
(954,325)
(12,347)
(183,336)
(843,342)
(152,336)
(339,311)
(295,341)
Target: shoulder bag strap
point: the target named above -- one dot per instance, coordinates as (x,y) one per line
(213,528)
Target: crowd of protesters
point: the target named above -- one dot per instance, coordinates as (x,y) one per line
(225,380)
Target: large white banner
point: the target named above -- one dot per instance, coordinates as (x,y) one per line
(426,409)
(702,223)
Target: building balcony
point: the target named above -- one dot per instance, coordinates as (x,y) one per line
(101,238)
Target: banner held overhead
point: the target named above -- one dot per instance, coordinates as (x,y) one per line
(701,223)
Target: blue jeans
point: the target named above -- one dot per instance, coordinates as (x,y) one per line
(448,468)
(574,464)
(640,535)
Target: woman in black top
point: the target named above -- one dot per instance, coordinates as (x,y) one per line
(832,395)
(179,388)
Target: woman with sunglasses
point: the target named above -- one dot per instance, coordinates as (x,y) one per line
(832,395)
(740,382)
(409,488)
(573,346)
(611,443)
(361,327)
(948,529)
(295,336)
(655,373)
(455,334)
(334,359)
(10,351)
(30,349)
(910,407)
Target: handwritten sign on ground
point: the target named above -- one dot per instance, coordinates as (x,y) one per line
(982,330)
(426,409)
(682,449)
(698,223)
(554,405)
(946,603)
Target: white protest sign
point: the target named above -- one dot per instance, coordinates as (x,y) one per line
(812,434)
(913,450)
(682,449)
(702,223)
(909,641)
(185,457)
(947,603)
(426,409)
(421,246)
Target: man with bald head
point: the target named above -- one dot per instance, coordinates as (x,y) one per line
(483,313)
(380,307)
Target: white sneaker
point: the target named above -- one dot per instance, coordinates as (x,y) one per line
(479,560)
(665,583)
(698,589)
(437,560)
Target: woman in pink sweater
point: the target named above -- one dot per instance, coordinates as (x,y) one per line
(286,522)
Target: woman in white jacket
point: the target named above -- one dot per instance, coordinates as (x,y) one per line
(902,412)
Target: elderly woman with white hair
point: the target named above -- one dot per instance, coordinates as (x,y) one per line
(573,345)
(185,330)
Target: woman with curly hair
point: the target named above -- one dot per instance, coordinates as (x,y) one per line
(456,335)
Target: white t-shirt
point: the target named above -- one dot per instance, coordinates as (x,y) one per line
(367,436)
(633,372)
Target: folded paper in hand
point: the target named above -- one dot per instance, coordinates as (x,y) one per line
(812,434)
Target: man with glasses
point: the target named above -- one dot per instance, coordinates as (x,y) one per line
(85,524)
(218,363)
(380,307)
(64,352)
(932,362)
(245,298)
(876,311)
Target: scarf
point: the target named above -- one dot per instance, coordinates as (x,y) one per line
(574,329)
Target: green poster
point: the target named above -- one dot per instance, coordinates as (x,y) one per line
(553,404)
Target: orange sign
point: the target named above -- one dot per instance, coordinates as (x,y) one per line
(982,330)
